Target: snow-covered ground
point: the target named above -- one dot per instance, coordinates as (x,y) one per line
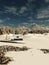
(33,56)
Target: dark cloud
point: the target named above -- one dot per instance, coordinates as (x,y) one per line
(24,11)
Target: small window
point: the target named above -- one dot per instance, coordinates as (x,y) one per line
(17,36)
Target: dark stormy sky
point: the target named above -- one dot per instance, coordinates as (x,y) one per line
(24,12)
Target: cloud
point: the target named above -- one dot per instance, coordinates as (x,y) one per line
(29,1)
(25,23)
(46,0)
(8,18)
(12,9)
(15,11)
(1,20)
(28,24)
(31,20)
(30,17)
(23,9)
(47,20)
(43,13)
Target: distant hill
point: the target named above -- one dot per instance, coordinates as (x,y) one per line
(39,29)
(24,30)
